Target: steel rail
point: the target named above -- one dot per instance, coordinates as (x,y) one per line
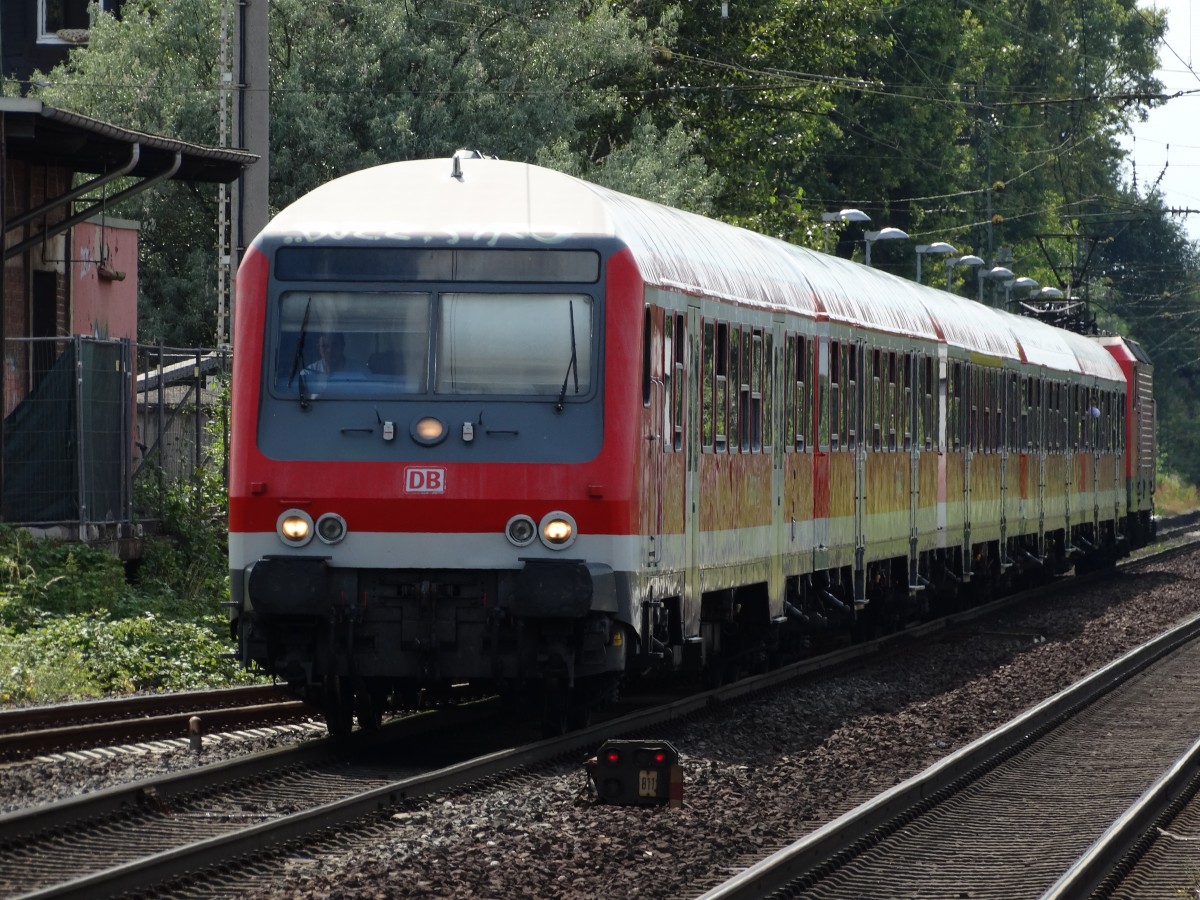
(1128,836)
(891,809)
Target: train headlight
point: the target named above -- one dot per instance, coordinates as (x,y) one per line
(331,528)
(295,527)
(428,431)
(557,530)
(520,531)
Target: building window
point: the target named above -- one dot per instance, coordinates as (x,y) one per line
(66,21)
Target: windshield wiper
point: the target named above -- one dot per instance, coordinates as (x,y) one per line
(573,365)
(298,359)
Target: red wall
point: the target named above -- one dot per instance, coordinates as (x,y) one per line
(104,277)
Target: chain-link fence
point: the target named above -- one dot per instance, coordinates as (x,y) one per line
(182,419)
(86,420)
(67,432)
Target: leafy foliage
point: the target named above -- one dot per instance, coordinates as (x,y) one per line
(72,624)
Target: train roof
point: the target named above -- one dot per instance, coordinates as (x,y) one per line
(492,200)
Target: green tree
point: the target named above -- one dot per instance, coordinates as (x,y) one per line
(359,83)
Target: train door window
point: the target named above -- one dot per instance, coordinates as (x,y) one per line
(790,394)
(708,389)
(835,395)
(1013,424)
(647,343)
(1037,415)
(928,382)
(969,401)
(737,367)
(907,412)
(803,379)
(1057,423)
(767,418)
(752,418)
(678,380)
(876,411)
(1078,420)
(1120,424)
(850,395)
(722,393)
(954,430)
(667,385)
(998,401)
(891,406)
(822,400)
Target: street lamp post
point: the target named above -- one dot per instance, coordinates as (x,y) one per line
(968,261)
(884,234)
(993,273)
(937,248)
(1022,282)
(844,215)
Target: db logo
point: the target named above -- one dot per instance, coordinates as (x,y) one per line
(422,480)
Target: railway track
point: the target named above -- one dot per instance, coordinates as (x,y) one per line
(1012,812)
(146,834)
(30,731)
(140,835)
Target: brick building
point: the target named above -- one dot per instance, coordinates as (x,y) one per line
(68,298)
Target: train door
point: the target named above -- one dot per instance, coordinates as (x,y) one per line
(965,386)
(775,397)
(821,461)
(913,398)
(860,463)
(692,447)
(654,404)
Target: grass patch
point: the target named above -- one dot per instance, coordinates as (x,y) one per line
(1173,495)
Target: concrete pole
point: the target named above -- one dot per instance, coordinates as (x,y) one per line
(252,112)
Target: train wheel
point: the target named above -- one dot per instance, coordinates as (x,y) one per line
(556,706)
(368,709)
(338,703)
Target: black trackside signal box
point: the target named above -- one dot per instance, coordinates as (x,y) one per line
(637,773)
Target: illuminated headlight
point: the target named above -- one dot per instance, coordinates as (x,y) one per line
(520,531)
(428,431)
(295,527)
(557,530)
(331,528)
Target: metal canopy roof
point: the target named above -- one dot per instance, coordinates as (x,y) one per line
(43,134)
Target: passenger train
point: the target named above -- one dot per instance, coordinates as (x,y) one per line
(496,426)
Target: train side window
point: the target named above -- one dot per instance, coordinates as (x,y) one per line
(708,389)
(906,402)
(722,393)
(790,398)
(647,342)
(679,379)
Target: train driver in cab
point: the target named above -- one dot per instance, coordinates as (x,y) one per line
(333,364)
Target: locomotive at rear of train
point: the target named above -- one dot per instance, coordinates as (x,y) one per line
(496,426)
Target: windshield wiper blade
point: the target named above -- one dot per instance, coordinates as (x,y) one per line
(298,359)
(573,365)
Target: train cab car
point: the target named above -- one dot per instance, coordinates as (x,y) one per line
(499,427)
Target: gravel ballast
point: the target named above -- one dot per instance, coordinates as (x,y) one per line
(756,776)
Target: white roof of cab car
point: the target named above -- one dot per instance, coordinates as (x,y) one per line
(420,200)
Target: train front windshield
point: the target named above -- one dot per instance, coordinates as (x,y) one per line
(362,341)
